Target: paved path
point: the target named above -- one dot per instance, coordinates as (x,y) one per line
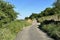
(32,33)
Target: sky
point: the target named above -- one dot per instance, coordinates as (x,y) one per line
(26,7)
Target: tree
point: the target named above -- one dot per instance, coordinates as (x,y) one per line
(7,13)
(57,3)
(56,7)
(34,15)
(26,18)
(7,8)
(46,12)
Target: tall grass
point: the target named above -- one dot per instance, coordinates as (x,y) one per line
(52,29)
(9,32)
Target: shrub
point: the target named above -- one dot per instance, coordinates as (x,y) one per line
(52,29)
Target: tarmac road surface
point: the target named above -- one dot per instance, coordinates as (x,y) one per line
(32,33)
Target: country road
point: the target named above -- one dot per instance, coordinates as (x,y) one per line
(32,33)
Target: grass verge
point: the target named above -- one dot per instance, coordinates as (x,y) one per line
(52,28)
(9,32)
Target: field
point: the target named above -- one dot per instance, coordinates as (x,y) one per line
(9,31)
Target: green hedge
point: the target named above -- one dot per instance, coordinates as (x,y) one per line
(52,29)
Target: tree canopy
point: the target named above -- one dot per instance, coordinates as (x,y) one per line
(7,12)
(48,11)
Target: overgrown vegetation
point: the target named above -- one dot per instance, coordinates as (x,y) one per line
(51,24)
(7,13)
(52,28)
(48,11)
(50,20)
(9,31)
(9,25)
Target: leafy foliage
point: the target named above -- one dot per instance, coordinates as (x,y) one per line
(7,13)
(48,11)
(34,15)
(57,4)
(26,18)
(52,28)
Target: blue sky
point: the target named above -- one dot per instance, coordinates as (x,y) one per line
(26,7)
